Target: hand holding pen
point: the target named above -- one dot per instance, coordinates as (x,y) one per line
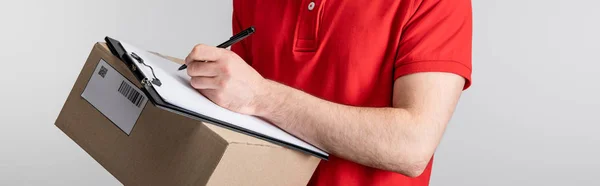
(234,39)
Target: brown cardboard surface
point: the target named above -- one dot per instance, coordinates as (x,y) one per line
(272,166)
(169,149)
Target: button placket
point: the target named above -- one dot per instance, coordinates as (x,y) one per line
(307,26)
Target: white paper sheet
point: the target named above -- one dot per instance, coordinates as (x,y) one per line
(176,90)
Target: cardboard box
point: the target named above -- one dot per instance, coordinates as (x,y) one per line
(164,148)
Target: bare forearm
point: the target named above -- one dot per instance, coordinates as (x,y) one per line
(385,138)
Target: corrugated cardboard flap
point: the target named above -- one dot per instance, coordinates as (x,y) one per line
(240,139)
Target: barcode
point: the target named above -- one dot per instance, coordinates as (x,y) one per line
(131,94)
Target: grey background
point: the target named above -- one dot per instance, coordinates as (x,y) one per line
(529,119)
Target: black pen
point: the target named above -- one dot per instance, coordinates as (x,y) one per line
(232,40)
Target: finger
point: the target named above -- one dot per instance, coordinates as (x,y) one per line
(199,82)
(204,53)
(207,69)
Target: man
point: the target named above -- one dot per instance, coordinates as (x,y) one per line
(372,82)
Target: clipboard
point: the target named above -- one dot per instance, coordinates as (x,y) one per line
(148,88)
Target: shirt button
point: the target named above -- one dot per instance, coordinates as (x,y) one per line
(311,6)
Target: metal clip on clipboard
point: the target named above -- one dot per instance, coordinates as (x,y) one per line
(117,49)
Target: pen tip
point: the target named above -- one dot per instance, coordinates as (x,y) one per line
(182,67)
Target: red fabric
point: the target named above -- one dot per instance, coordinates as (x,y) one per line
(350,52)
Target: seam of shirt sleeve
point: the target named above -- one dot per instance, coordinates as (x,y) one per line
(449,66)
(421,61)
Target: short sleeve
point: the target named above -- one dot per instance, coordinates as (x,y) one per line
(239,48)
(437,38)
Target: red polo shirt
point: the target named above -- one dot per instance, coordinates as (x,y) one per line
(350,52)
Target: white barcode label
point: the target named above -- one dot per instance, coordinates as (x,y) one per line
(114,96)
